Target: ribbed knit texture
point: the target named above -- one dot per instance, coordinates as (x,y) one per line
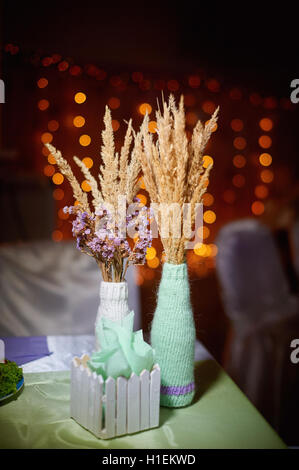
(173,336)
(113,302)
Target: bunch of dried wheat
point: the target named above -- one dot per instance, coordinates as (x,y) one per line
(174,173)
(118,172)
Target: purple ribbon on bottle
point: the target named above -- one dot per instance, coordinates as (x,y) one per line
(177,390)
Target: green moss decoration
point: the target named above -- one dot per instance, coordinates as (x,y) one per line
(10,375)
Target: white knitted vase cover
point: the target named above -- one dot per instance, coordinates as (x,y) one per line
(113,302)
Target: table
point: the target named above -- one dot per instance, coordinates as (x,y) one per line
(221,416)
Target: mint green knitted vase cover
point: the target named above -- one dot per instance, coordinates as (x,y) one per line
(173,336)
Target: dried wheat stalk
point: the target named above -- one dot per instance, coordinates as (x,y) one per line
(173,170)
(118,173)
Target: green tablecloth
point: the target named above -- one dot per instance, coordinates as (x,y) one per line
(221,417)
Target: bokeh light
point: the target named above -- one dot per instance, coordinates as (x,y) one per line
(42,82)
(266,124)
(53,125)
(207,199)
(46,137)
(85,186)
(145,108)
(265,141)
(261,191)
(88,162)
(207,160)
(238,180)
(84,140)
(237,125)
(209,217)
(79,121)
(265,159)
(208,107)
(115,124)
(257,208)
(62,215)
(152,127)
(51,158)
(57,235)
(80,97)
(150,253)
(239,143)
(49,170)
(142,198)
(57,178)
(43,105)
(267,176)
(114,102)
(153,263)
(58,194)
(239,161)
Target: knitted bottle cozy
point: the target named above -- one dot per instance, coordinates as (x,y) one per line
(113,302)
(173,336)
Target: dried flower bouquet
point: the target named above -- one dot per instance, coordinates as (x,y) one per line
(100,231)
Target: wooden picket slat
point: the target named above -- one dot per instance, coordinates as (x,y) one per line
(110,407)
(133,416)
(144,399)
(73,388)
(97,403)
(155,396)
(84,396)
(121,406)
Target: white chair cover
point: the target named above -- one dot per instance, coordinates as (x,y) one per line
(259,304)
(49,288)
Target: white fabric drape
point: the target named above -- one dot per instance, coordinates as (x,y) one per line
(49,288)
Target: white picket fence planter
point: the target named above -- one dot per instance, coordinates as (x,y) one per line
(130,405)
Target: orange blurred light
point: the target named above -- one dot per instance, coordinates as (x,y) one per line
(57,178)
(145,108)
(84,140)
(51,159)
(261,191)
(237,125)
(239,161)
(239,143)
(80,97)
(207,199)
(209,217)
(213,85)
(209,107)
(115,124)
(62,215)
(43,105)
(113,102)
(214,128)
(257,208)
(191,118)
(265,141)
(53,125)
(214,249)
(62,66)
(46,137)
(141,183)
(49,170)
(266,124)
(152,126)
(173,85)
(57,236)
(265,159)
(79,121)
(200,249)
(42,83)
(204,232)
(150,253)
(153,263)
(137,77)
(88,162)
(58,194)
(235,94)
(238,180)
(194,81)
(267,176)
(85,186)
(207,160)
(143,199)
